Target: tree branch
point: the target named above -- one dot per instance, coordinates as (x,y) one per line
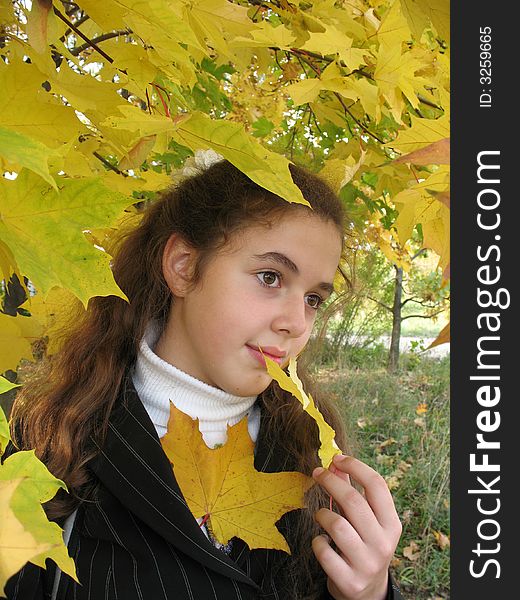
(408,300)
(421,302)
(421,251)
(422,316)
(380,303)
(317,70)
(82,35)
(428,102)
(79,22)
(109,165)
(331,60)
(97,40)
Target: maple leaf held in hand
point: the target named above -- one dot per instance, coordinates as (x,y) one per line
(222,483)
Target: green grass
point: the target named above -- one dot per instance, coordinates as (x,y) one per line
(410,450)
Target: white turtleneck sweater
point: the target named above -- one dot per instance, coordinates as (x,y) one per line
(157,382)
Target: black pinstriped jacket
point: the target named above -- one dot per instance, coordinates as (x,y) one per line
(139,541)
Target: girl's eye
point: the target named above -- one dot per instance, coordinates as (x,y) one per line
(269,278)
(314,301)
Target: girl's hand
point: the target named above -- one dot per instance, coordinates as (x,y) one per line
(366,535)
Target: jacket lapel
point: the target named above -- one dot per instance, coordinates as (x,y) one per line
(134,468)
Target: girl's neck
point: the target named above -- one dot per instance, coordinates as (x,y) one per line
(157,382)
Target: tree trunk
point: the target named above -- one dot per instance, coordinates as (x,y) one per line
(393,355)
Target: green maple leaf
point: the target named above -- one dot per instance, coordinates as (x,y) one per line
(44,230)
(19,149)
(27,535)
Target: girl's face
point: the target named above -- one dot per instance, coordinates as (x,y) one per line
(262,289)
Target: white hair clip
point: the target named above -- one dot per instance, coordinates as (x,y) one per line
(202,160)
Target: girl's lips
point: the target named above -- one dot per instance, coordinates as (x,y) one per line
(256,354)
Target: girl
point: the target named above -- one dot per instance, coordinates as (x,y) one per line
(218,271)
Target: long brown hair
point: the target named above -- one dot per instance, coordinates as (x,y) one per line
(67,403)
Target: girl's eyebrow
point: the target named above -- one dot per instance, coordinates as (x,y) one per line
(287,262)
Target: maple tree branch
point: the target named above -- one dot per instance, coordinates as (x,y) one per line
(317,70)
(82,35)
(422,316)
(363,127)
(428,102)
(419,252)
(109,165)
(404,302)
(97,40)
(308,128)
(79,22)
(423,302)
(276,60)
(301,63)
(315,120)
(380,303)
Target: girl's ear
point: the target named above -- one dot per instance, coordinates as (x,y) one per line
(178,264)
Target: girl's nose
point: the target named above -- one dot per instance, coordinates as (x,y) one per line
(291,318)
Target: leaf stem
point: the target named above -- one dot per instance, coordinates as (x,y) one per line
(165,106)
(206,517)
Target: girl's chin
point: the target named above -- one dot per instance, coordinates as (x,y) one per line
(252,388)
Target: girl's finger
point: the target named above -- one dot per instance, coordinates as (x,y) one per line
(340,474)
(355,508)
(333,565)
(377,493)
(346,537)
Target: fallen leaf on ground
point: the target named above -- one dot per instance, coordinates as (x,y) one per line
(412,551)
(392,481)
(387,442)
(443,540)
(421,408)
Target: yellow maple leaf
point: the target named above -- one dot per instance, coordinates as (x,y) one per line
(26,107)
(418,204)
(44,231)
(52,312)
(292,383)
(331,12)
(442,338)
(14,345)
(268,169)
(42,27)
(394,29)
(223,484)
(8,263)
(396,76)
(334,41)
(17,545)
(423,132)
(266,36)
(26,534)
(5,386)
(216,21)
(22,151)
(435,153)
(419,12)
